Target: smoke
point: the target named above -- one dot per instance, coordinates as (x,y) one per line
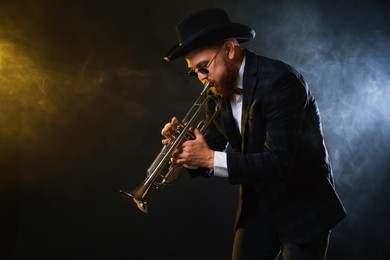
(347,70)
(343,50)
(42,106)
(71,103)
(55,100)
(84,93)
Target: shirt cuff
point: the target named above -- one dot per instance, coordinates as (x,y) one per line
(220,164)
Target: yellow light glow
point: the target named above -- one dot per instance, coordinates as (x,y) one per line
(21,93)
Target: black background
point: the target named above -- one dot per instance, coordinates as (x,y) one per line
(84,93)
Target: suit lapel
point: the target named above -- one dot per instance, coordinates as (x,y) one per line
(249,87)
(230,126)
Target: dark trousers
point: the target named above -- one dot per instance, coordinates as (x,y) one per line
(255,240)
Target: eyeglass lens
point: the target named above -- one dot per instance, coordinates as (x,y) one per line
(203,70)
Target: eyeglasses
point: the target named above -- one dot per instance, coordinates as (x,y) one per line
(204,70)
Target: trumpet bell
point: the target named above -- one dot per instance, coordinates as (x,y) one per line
(141,204)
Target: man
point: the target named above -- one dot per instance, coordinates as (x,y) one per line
(270,122)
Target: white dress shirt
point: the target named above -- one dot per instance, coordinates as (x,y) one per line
(220,158)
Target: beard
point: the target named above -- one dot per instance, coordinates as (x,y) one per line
(228,81)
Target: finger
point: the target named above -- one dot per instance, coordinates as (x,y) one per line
(177,151)
(185,146)
(168,130)
(177,159)
(164,131)
(191,131)
(181,161)
(197,133)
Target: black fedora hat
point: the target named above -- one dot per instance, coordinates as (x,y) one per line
(206,26)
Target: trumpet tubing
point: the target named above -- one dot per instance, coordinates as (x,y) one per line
(157,174)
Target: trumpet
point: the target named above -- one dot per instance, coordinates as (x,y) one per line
(156,178)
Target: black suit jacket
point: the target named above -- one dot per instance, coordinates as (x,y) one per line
(280,160)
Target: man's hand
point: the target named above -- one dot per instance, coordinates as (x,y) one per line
(194,153)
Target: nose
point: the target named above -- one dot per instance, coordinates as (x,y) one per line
(202,77)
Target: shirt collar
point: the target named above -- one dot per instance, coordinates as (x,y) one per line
(241,74)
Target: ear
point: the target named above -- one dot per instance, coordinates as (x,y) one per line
(229,49)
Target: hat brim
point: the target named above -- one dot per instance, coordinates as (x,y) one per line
(237,31)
